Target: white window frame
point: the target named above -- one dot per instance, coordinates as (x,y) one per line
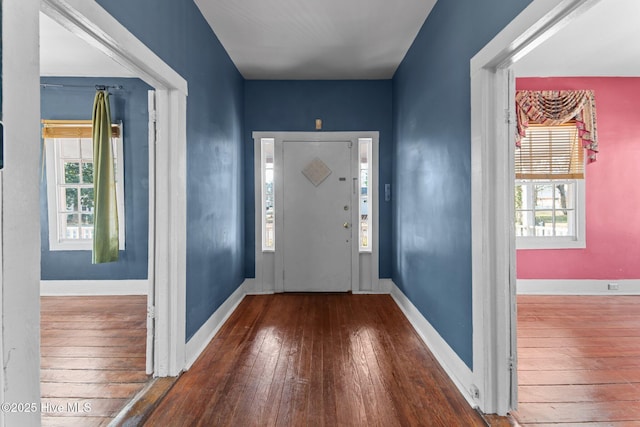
(561,242)
(53,200)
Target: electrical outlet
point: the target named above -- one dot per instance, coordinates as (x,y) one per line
(614,287)
(475,392)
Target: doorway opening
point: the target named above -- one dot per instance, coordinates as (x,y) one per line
(493,237)
(164,286)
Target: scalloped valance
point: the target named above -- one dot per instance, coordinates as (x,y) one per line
(556,107)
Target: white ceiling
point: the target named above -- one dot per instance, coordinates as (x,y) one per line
(604,41)
(316,39)
(359,39)
(65,54)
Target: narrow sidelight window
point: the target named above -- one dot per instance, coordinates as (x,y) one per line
(364,149)
(268,196)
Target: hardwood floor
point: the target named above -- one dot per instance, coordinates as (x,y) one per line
(315,359)
(92,355)
(579,360)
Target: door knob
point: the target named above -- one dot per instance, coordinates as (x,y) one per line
(346,225)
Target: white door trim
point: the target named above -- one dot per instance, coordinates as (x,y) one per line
(492,178)
(269,265)
(167,209)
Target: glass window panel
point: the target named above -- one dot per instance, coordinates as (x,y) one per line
(87,148)
(87,173)
(86,199)
(364,156)
(69,148)
(86,233)
(268,194)
(543,196)
(519,196)
(565,196)
(87,219)
(70,228)
(543,223)
(71,199)
(71,172)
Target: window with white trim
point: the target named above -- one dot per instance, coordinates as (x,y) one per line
(69,160)
(549,189)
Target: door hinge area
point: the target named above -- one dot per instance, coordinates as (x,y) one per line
(151,312)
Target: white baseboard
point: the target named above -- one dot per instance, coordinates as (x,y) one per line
(93,287)
(199,341)
(455,368)
(252,287)
(386,285)
(577,287)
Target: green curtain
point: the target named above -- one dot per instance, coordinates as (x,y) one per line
(105,231)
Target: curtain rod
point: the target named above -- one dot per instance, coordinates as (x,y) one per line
(96,87)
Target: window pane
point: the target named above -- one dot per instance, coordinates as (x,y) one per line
(565,196)
(69,148)
(86,232)
(519,196)
(364,157)
(71,173)
(87,219)
(87,173)
(543,195)
(524,223)
(71,199)
(268,194)
(70,227)
(87,148)
(544,223)
(86,199)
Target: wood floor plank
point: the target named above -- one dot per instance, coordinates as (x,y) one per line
(578,360)
(581,412)
(580,393)
(128,363)
(93,351)
(320,359)
(93,376)
(574,377)
(315,359)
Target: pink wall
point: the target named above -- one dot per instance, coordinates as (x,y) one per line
(612,189)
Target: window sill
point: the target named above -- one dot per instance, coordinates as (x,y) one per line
(549,243)
(75,246)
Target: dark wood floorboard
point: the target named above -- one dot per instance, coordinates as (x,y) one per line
(317,360)
(93,354)
(578,361)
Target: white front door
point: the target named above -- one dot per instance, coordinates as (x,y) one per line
(317,187)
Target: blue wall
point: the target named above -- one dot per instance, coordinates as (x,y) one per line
(343,106)
(177,32)
(432,152)
(130,106)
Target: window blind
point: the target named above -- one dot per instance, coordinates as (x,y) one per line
(550,152)
(72,129)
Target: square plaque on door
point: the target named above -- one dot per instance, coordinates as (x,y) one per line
(316,171)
